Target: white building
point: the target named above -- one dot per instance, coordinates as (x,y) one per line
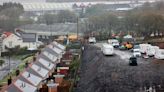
(11,40)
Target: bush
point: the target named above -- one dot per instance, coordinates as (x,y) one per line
(26,56)
(2,62)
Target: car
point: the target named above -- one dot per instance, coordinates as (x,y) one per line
(92,40)
(135,47)
(136,53)
(114,42)
(133,61)
(122,47)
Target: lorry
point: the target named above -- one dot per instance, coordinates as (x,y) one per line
(107,49)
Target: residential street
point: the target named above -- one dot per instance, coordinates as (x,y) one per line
(101,73)
(4,70)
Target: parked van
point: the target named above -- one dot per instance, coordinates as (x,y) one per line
(114,42)
(159,54)
(151,50)
(107,49)
(92,40)
(144,47)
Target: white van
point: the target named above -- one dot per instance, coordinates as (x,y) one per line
(92,40)
(159,54)
(113,42)
(151,50)
(107,49)
(144,47)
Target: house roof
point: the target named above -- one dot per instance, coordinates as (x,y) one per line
(24,86)
(28,37)
(40,70)
(35,80)
(56,52)
(7,34)
(45,57)
(33,72)
(62,47)
(47,64)
(50,55)
(13,88)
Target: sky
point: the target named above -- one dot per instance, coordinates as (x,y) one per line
(22,1)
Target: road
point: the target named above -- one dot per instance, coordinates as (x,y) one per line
(101,73)
(5,69)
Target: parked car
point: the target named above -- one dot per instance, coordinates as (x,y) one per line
(114,42)
(159,54)
(122,47)
(135,47)
(92,40)
(133,61)
(136,53)
(107,49)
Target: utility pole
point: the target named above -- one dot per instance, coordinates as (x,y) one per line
(77,27)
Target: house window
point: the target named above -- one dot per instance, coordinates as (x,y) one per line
(10,44)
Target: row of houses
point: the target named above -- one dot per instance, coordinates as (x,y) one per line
(43,70)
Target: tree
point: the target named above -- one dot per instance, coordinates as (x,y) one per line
(105,22)
(151,23)
(61,17)
(66,16)
(9,15)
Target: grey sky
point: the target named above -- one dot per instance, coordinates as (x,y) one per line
(22,1)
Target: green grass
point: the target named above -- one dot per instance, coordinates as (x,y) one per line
(21,68)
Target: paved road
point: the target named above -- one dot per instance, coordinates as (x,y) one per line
(101,73)
(5,69)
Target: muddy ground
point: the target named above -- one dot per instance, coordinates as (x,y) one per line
(99,73)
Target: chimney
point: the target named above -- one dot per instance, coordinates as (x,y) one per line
(52,87)
(58,78)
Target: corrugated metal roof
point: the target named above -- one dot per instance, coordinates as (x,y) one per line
(46,6)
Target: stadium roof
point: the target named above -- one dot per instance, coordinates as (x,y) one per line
(46,6)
